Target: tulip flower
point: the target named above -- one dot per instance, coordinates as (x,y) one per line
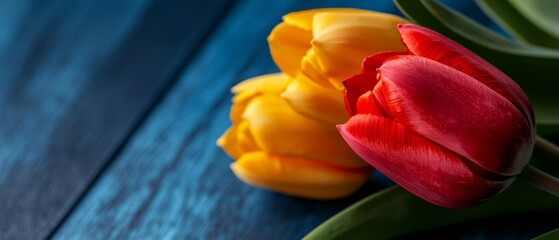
(327,46)
(439,120)
(277,148)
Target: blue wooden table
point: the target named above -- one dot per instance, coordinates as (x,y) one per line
(109,113)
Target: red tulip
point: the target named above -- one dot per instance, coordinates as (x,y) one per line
(439,120)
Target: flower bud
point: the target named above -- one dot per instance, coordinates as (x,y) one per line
(277,148)
(439,120)
(328,45)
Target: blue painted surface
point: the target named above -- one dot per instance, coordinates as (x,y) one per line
(76,77)
(78,80)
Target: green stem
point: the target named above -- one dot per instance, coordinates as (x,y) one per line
(541,180)
(546,149)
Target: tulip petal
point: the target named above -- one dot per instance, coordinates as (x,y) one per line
(457,112)
(298,176)
(269,83)
(310,66)
(228,141)
(278,129)
(430,44)
(315,101)
(368,103)
(245,141)
(288,45)
(371,63)
(342,40)
(304,19)
(356,86)
(238,140)
(418,164)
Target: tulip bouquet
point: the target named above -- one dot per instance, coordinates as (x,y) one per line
(444,107)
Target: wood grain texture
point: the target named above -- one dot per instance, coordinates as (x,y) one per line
(172,182)
(76,77)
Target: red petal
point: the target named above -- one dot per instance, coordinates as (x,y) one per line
(371,63)
(355,87)
(359,84)
(368,103)
(427,43)
(419,165)
(457,112)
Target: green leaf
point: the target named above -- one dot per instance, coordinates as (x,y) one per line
(542,13)
(395,212)
(553,235)
(514,20)
(535,69)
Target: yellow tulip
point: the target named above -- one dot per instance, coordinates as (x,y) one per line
(278,148)
(328,45)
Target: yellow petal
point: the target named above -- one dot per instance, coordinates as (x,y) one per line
(304,19)
(245,140)
(342,40)
(288,45)
(267,83)
(277,128)
(297,176)
(228,141)
(311,68)
(238,140)
(270,83)
(314,101)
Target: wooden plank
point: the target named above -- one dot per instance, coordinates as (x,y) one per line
(76,78)
(172,182)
